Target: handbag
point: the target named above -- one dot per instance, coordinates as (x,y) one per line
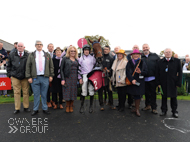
(127,80)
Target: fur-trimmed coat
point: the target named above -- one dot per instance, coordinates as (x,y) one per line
(119,73)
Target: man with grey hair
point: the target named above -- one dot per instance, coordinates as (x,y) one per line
(50,48)
(39,71)
(169,76)
(116,49)
(16,71)
(151,60)
(187,62)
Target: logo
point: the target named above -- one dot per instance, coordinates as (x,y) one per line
(2,83)
(23,125)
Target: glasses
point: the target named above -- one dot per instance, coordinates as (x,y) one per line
(20,46)
(38,44)
(72,51)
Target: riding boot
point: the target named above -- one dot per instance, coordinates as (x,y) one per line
(67,106)
(71,106)
(137,103)
(82,104)
(91,103)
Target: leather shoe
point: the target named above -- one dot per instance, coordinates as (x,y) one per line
(121,109)
(163,114)
(27,110)
(175,115)
(102,108)
(16,111)
(34,112)
(130,107)
(46,112)
(154,111)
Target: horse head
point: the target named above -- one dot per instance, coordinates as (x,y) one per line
(97,50)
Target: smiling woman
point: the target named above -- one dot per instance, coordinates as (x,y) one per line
(69,74)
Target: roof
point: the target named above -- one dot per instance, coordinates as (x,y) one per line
(6,45)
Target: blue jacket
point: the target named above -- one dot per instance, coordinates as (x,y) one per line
(4,52)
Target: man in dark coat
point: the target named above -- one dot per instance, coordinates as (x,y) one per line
(150,83)
(169,76)
(107,63)
(50,48)
(16,71)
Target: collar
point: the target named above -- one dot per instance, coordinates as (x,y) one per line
(165,59)
(20,52)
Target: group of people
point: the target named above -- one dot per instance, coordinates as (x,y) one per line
(58,72)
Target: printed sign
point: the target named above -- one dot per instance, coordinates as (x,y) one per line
(5,83)
(82,42)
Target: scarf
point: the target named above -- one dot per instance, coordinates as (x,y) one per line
(135,61)
(60,59)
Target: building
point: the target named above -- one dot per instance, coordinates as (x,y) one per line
(7,46)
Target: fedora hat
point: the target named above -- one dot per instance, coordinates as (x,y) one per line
(121,51)
(135,52)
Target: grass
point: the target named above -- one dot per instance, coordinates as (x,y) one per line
(4,99)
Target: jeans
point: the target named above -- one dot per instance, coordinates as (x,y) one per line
(40,87)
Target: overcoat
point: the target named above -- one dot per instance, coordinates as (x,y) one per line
(169,76)
(134,89)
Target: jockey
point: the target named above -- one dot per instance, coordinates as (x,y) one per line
(87,63)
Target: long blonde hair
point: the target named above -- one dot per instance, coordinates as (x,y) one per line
(68,52)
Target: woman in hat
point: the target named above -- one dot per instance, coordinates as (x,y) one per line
(118,77)
(56,83)
(139,68)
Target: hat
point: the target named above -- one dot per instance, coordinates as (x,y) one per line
(135,52)
(121,51)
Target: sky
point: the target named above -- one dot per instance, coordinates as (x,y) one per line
(160,23)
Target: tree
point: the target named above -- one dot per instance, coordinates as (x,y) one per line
(103,41)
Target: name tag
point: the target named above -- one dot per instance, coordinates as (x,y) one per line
(141,77)
(107,60)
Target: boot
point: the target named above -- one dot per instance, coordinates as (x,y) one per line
(71,106)
(67,106)
(55,106)
(91,103)
(82,104)
(60,106)
(53,103)
(137,103)
(49,104)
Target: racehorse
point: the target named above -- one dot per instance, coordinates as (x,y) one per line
(98,73)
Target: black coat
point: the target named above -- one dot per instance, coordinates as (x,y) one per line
(108,62)
(151,63)
(56,83)
(66,67)
(134,89)
(171,79)
(17,66)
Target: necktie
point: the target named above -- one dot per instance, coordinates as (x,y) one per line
(51,55)
(40,62)
(20,53)
(168,60)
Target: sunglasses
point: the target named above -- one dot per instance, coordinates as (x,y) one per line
(38,44)
(72,51)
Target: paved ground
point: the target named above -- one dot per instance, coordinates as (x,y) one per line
(109,125)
